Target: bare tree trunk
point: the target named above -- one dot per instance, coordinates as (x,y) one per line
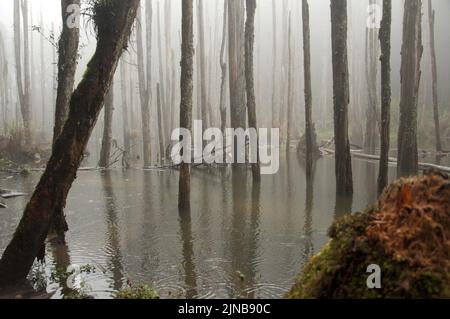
(160,126)
(3,84)
(187,89)
(24,101)
(162,80)
(105,153)
(309,126)
(290,91)
(275,103)
(26,110)
(385,41)
(249,76)
(125,118)
(202,56)
(437,126)
(236,59)
(43,76)
(223,66)
(144,87)
(67,66)
(412,50)
(344,176)
(86,103)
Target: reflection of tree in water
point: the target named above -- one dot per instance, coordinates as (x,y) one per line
(190,276)
(244,237)
(112,232)
(61,260)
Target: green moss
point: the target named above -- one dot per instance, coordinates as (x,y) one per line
(340,269)
(137,292)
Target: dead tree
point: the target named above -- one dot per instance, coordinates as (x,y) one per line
(275,104)
(290,91)
(145,83)
(85,105)
(309,126)
(249,77)
(67,65)
(125,115)
(344,175)
(22,75)
(223,67)
(202,56)
(187,90)
(236,68)
(412,50)
(105,153)
(434,74)
(385,41)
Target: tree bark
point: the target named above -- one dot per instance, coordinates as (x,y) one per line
(203,90)
(144,86)
(67,66)
(105,153)
(236,68)
(412,51)
(309,126)
(344,176)
(187,89)
(437,126)
(385,41)
(85,105)
(223,67)
(249,77)
(125,116)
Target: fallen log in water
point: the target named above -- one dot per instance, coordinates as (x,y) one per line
(392,160)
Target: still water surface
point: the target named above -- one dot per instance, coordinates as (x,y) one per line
(239,241)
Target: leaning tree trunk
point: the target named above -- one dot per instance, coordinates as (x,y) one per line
(249,77)
(67,66)
(385,41)
(437,126)
(85,105)
(144,89)
(187,89)
(344,176)
(412,50)
(308,88)
(105,153)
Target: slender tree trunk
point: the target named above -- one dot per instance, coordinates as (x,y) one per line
(162,81)
(249,76)
(67,66)
(309,126)
(437,126)
(160,120)
(43,77)
(412,50)
(26,110)
(202,56)
(344,176)
(86,103)
(125,118)
(144,90)
(290,91)
(187,89)
(3,84)
(385,41)
(275,103)
(105,153)
(223,67)
(236,60)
